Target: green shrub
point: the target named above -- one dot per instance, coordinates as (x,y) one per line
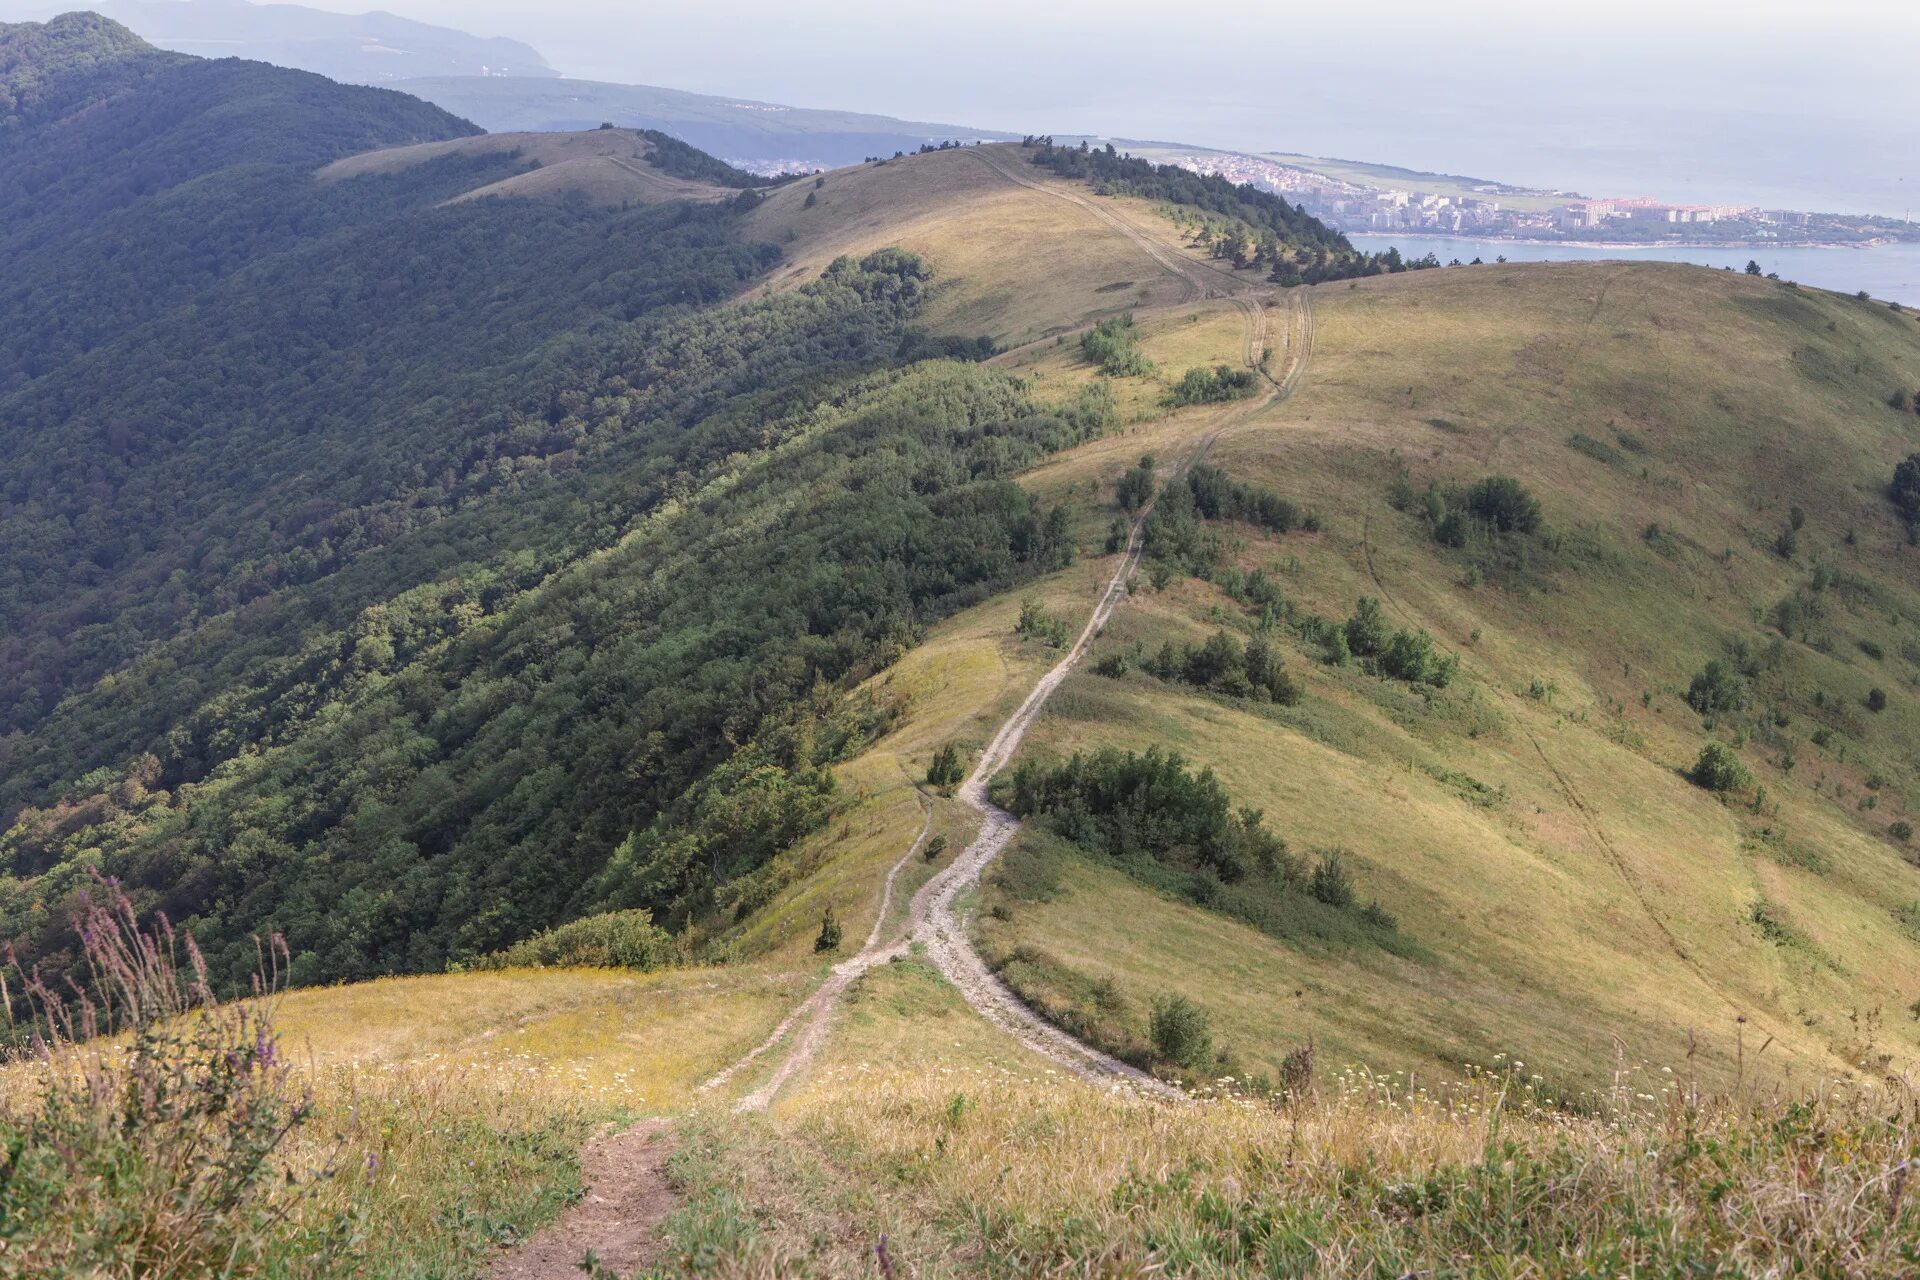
(1598,450)
(1503,503)
(947,770)
(1716,689)
(1330,881)
(1217,496)
(1718,769)
(1379,917)
(1181,1033)
(1136,487)
(1114,345)
(1411,656)
(611,940)
(829,936)
(1876,699)
(1901,830)
(1906,487)
(1126,803)
(1035,621)
(1366,630)
(1211,386)
(1224,665)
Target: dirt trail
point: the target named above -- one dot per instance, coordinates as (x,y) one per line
(934,916)
(618,1218)
(811,1014)
(945,929)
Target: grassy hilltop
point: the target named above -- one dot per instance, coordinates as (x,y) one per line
(609,735)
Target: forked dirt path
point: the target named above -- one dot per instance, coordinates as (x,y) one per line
(810,1015)
(617,1220)
(935,916)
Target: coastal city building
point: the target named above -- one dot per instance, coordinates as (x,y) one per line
(1494,210)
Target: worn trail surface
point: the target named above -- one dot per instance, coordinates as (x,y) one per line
(944,928)
(810,1015)
(935,916)
(618,1219)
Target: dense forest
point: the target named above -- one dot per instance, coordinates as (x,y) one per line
(220,377)
(411,580)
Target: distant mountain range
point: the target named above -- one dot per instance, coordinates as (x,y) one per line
(504,85)
(763,136)
(358,48)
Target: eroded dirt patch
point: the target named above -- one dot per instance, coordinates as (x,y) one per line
(618,1219)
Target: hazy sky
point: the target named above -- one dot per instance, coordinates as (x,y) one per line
(1805,102)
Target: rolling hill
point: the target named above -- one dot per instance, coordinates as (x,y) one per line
(505,86)
(729,664)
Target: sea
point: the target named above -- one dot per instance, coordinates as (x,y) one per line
(1888,271)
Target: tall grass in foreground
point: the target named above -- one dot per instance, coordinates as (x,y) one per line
(1377,1177)
(149,1129)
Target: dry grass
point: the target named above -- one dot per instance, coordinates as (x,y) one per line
(608,166)
(1605,895)
(1381,1176)
(638,1042)
(988,239)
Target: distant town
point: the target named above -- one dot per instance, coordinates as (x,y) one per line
(1351,200)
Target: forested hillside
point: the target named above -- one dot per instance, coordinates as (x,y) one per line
(219,376)
(431,555)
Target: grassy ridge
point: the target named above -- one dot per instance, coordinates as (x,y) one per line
(1530,823)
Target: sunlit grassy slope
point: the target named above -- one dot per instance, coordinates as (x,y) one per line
(1604,905)
(1014,264)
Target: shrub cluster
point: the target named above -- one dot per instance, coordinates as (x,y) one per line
(1223,664)
(1114,345)
(610,940)
(1905,491)
(1212,386)
(1181,1033)
(947,770)
(1136,487)
(1717,688)
(1037,622)
(1177,831)
(1718,769)
(1125,803)
(1217,496)
(1408,655)
(1176,534)
(1488,508)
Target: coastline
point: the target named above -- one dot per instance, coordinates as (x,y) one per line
(1423,234)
